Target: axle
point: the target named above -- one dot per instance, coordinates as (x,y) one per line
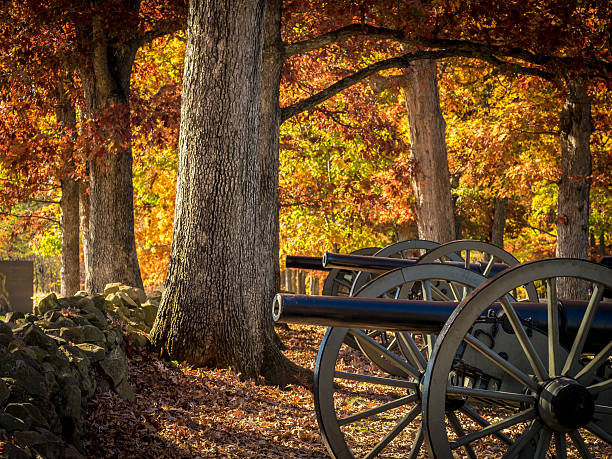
(429,316)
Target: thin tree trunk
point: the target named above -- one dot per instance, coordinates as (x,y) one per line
(112,247)
(431,178)
(499,222)
(573,211)
(70,269)
(111,225)
(211,311)
(84,225)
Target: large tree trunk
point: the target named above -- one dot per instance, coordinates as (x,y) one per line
(211,311)
(276,368)
(112,250)
(70,270)
(573,211)
(431,178)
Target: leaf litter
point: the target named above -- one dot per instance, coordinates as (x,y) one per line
(185,412)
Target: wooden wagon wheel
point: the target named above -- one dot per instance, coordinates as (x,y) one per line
(357,398)
(562,406)
(483,254)
(402,249)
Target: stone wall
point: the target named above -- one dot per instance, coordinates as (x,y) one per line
(52,362)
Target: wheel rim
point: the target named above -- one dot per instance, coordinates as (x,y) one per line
(547,416)
(344,389)
(469,251)
(401,249)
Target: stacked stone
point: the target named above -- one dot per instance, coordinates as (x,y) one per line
(51,362)
(132,306)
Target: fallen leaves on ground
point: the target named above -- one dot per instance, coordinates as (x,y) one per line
(182,412)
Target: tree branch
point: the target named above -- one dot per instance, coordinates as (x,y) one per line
(396,62)
(291,49)
(524,55)
(162,29)
(541,230)
(527,56)
(9,214)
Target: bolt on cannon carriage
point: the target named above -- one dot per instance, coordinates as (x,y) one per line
(434,358)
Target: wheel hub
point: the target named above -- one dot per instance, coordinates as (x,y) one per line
(565,405)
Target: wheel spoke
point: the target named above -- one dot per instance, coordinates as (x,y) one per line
(578,442)
(385,353)
(344,282)
(602,409)
(426,285)
(490,394)
(560,446)
(521,416)
(526,344)
(470,412)
(376,380)
(378,409)
(593,365)
(543,443)
(500,362)
(599,432)
(487,270)
(416,445)
(456,425)
(414,351)
(441,295)
(600,387)
(430,340)
(522,441)
(392,344)
(553,327)
(583,331)
(414,412)
(458,297)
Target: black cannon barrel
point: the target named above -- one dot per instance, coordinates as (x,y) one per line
(430,316)
(380,265)
(304,262)
(365,263)
(372,313)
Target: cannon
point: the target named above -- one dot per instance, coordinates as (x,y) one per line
(528,377)
(350,272)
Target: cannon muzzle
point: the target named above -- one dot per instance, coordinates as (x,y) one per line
(304,262)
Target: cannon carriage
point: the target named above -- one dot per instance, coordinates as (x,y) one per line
(468,365)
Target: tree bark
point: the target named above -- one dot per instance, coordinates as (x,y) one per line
(431,178)
(84,225)
(499,222)
(212,311)
(276,368)
(573,207)
(70,270)
(112,248)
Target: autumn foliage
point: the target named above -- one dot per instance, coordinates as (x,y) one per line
(345,164)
